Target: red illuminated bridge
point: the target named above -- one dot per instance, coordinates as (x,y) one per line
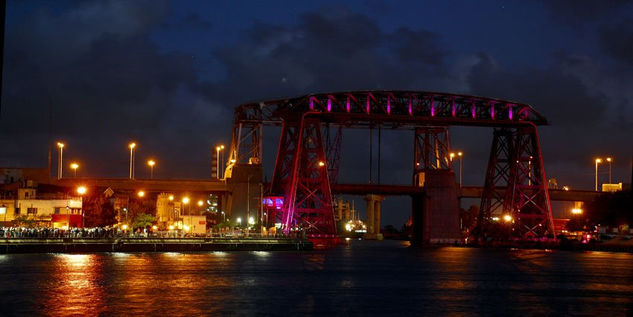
(308,156)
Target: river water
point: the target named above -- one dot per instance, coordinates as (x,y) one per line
(361,278)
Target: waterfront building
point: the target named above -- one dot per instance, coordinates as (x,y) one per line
(21,204)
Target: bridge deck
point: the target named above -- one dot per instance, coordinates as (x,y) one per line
(219,186)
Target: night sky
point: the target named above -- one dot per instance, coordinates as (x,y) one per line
(98,74)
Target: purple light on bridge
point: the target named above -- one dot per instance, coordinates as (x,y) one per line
(329,104)
(311,103)
(432,108)
(510,112)
(347,106)
(368,101)
(388,104)
(410,106)
(472,110)
(492,109)
(453,107)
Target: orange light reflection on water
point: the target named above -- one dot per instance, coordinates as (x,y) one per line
(74,285)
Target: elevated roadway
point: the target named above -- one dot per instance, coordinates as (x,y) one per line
(464,192)
(148,185)
(219,186)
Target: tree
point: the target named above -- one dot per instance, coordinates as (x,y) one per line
(98,210)
(23,221)
(611,209)
(143,221)
(138,206)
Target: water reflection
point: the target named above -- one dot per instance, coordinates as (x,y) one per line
(361,278)
(73,287)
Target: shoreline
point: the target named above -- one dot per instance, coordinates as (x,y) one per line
(99,245)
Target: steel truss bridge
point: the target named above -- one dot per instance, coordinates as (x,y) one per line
(309,150)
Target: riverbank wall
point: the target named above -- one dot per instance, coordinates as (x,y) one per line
(88,245)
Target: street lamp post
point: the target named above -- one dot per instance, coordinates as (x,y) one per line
(60,167)
(248,196)
(74,166)
(609,160)
(218,159)
(151,164)
(598,161)
(185,201)
(460,154)
(81,190)
(132,146)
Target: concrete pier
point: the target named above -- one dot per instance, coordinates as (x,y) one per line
(374,203)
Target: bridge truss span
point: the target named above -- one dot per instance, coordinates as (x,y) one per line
(308,157)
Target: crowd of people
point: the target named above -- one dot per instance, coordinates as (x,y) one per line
(116,232)
(45,232)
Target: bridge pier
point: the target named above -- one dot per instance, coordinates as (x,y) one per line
(244,192)
(436,212)
(374,204)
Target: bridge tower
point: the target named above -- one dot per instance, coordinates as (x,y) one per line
(244,173)
(515,200)
(301,177)
(436,212)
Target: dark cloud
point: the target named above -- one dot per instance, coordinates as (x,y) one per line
(554,93)
(100,73)
(329,50)
(583,11)
(617,41)
(190,21)
(93,76)
(585,121)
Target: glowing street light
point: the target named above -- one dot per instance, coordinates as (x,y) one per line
(609,159)
(132,145)
(251,221)
(171,197)
(82,190)
(598,161)
(141,193)
(60,167)
(576,211)
(74,166)
(507,218)
(200,203)
(321,163)
(239,221)
(151,164)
